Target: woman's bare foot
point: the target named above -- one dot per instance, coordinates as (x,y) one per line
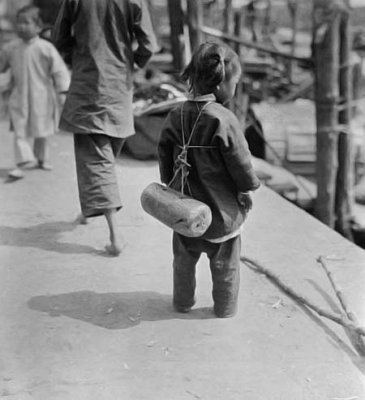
(114,249)
(116,246)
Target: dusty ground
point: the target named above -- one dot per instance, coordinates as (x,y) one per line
(76,324)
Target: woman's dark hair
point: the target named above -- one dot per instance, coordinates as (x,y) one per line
(34,12)
(210,65)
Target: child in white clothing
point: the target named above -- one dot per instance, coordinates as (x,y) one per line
(38,75)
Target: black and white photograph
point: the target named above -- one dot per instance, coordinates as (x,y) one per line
(182,199)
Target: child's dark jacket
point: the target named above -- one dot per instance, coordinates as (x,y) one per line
(219,171)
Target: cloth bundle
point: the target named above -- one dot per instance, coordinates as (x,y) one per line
(183,214)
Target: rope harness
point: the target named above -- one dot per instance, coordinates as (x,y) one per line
(181,163)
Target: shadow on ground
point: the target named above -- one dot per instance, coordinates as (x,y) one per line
(44,236)
(113,310)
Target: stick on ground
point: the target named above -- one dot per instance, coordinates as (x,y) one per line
(358,340)
(355,329)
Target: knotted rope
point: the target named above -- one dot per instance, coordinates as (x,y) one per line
(181,163)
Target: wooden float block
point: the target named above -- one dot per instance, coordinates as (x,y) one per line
(184,215)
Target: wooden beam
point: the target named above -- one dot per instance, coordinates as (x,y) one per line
(219,34)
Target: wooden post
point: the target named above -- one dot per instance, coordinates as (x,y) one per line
(176,17)
(345,175)
(251,19)
(266,29)
(326,45)
(195,22)
(240,103)
(238,19)
(228,17)
(293,9)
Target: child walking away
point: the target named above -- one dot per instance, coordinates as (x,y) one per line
(103,40)
(38,75)
(208,140)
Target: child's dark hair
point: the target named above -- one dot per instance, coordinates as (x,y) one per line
(210,65)
(34,12)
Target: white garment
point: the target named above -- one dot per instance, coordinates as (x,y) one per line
(37,72)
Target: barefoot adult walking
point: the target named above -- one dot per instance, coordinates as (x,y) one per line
(96,38)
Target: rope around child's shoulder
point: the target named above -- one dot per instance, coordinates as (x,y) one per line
(181,161)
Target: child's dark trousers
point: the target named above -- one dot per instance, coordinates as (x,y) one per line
(224,260)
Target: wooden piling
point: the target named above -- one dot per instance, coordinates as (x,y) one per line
(293,10)
(238,20)
(326,45)
(176,17)
(195,22)
(228,17)
(345,174)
